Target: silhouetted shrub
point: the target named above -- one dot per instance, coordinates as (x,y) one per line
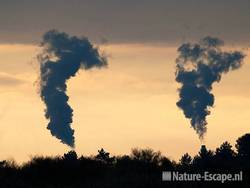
(146,155)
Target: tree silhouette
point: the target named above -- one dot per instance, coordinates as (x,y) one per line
(224,155)
(225,151)
(243,151)
(104,156)
(70,156)
(140,168)
(186,161)
(243,146)
(204,160)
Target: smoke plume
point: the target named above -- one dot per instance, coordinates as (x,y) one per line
(62,56)
(198,66)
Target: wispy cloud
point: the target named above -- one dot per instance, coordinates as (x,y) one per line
(10,80)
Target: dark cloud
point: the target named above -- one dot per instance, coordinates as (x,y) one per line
(170,21)
(198,66)
(61,58)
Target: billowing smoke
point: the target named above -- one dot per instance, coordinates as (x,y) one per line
(198,66)
(62,56)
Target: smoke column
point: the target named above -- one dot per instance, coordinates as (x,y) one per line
(62,56)
(198,66)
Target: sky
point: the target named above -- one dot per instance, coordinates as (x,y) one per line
(132,102)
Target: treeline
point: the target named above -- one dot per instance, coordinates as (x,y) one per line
(141,168)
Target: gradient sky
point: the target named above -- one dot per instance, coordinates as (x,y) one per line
(132,102)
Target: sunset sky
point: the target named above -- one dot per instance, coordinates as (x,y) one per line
(132,102)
